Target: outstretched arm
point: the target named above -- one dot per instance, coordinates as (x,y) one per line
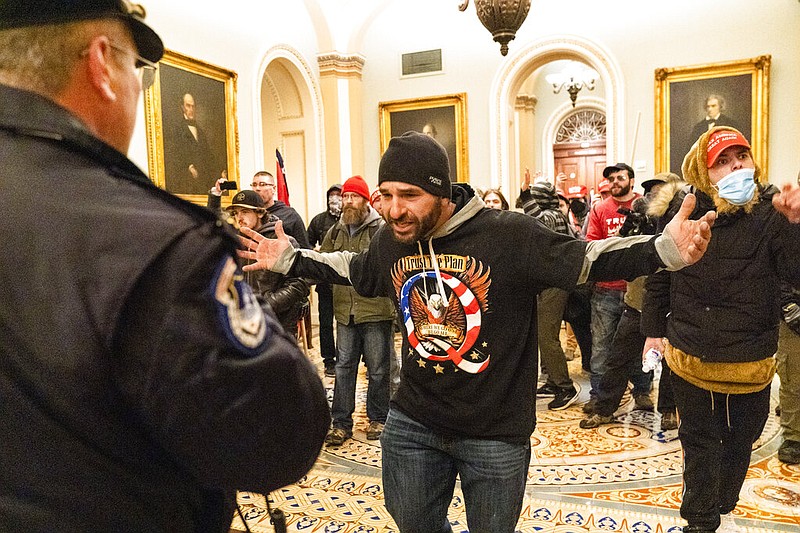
(689,237)
(788,202)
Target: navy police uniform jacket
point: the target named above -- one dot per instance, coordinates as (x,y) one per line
(140,385)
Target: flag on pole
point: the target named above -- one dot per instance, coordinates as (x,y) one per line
(280,179)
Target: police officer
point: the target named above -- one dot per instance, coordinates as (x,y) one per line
(140,383)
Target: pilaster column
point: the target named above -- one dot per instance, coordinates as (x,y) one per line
(341,86)
(525,111)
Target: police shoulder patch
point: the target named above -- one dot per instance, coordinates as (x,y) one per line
(238,311)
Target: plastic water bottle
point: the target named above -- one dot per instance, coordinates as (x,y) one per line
(651,359)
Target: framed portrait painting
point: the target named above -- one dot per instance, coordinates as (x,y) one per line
(192,139)
(690,100)
(442,117)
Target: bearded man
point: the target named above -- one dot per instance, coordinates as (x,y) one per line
(363,325)
(605,221)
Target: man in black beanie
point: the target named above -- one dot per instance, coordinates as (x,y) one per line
(464,279)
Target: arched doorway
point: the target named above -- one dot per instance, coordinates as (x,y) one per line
(514,73)
(289,105)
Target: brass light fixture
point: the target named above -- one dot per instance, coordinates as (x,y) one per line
(501,17)
(573,78)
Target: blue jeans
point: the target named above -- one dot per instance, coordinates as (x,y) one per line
(373,340)
(419,476)
(607,308)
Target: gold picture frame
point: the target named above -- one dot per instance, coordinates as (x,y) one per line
(742,88)
(445,116)
(211,146)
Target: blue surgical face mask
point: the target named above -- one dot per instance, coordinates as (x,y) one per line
(737,187)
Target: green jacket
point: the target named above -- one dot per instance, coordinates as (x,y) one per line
(346,301)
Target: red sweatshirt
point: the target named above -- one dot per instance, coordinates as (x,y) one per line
(604,222)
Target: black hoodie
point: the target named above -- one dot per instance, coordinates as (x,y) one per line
(470,366)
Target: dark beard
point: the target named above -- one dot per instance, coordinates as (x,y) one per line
(623,191)
(423,228)
(353,215)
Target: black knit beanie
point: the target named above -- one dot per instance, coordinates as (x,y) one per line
(417,159)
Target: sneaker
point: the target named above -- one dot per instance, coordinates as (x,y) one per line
(669,420)
(728,525)
(590,406)
(337,436)
(374,430)
(547,390)
(596,420)
(789,452)
(563,399)
(330,371)
(643,402)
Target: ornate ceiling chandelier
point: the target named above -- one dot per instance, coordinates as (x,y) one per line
(501,17)
(573,78)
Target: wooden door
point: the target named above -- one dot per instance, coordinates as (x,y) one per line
(583,163)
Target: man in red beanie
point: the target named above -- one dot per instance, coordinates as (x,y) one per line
(466,403)
(364,326)
(375,200)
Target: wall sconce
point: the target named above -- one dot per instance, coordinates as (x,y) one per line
(574,78)
(501,17)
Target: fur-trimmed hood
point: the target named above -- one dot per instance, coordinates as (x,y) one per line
(695,172)
(659,204)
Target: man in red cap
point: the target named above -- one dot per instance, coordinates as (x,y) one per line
(605,220)
(141,382)
(717,323)
(364,326)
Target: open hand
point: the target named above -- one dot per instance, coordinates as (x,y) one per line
(526,182)
(262,250)
(690,236)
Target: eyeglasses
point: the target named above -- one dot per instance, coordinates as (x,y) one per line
(262,184)
(350,197)
(147,69)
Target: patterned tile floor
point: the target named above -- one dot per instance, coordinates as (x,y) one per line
(623,477)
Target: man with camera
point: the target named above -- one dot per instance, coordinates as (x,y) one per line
(605,220)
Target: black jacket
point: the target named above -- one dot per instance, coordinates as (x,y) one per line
(319,226)
(292,223)
(139,384)
(286,295)
(726,307)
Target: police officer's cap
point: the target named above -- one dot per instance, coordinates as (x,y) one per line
(21,13)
